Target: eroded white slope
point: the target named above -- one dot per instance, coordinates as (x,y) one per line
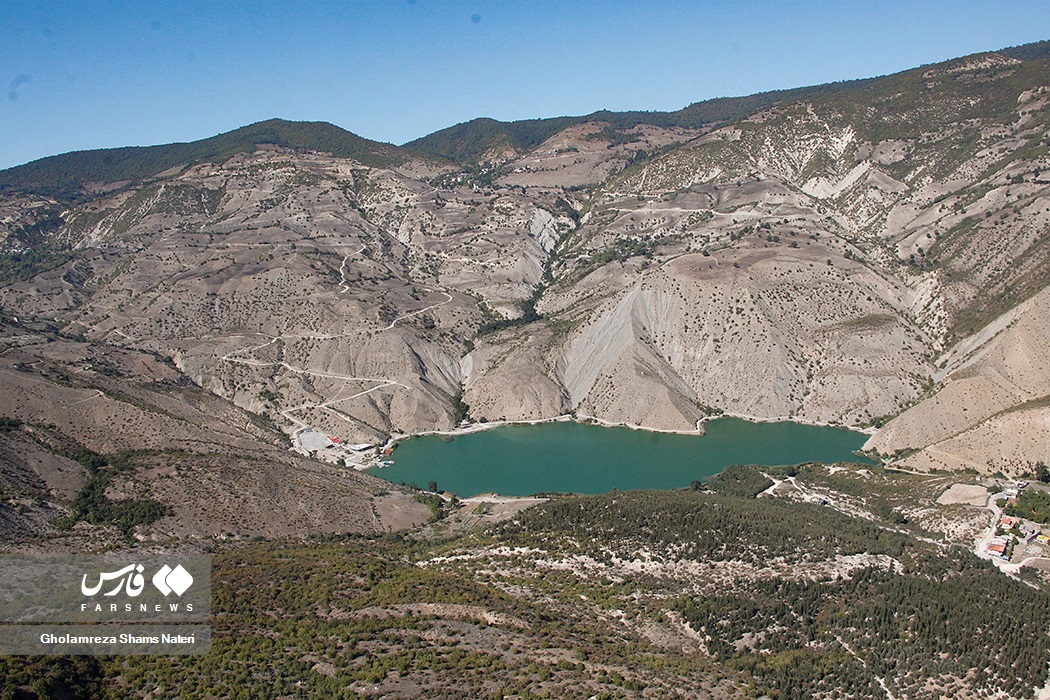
(990,409)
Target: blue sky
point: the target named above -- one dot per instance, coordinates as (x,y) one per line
(80,75)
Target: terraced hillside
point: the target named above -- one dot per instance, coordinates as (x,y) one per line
(830,255)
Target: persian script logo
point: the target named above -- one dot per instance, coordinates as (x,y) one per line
(130,578)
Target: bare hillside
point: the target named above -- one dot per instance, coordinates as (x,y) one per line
(89,427)
(825,259)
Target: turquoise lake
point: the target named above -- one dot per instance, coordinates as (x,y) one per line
(518,460)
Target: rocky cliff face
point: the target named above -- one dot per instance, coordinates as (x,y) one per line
(845,258)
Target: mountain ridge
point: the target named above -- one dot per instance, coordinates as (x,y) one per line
(465,143)
(468,141)
(65,175)
(818,260)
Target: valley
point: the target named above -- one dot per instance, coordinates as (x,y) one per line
(203,345)
(806,262)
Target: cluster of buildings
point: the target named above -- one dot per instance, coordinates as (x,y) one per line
(330,448)
(1009,526)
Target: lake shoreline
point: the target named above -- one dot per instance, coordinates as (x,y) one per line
(471,428)
(567,455)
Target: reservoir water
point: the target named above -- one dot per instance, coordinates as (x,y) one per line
(518,460)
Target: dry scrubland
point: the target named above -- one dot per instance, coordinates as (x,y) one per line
(710,594)
(844,258)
